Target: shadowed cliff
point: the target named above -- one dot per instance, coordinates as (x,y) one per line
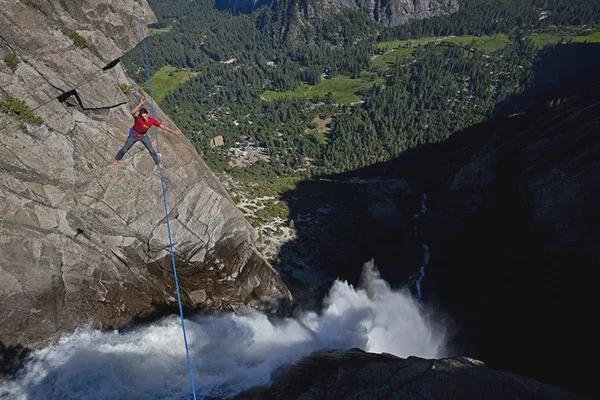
(512,225)
(354,374)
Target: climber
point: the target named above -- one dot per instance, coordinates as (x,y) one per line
(142,123)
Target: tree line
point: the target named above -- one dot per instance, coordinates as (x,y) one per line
(440,90)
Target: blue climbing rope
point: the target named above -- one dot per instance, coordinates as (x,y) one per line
(166,205)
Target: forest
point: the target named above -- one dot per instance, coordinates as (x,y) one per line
(239,63)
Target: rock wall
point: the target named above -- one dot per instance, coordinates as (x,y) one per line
(83,241)
(397,12)
(512,228)
(512,225)
(354,374)
(386,12)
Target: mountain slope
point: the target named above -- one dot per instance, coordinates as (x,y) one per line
(511,226)
(386,12)
(397,12)
(83,241)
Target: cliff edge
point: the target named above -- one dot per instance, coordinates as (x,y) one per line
(83,241)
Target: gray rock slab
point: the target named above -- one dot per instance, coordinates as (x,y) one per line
(83,241)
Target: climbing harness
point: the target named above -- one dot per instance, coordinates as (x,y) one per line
(166,205)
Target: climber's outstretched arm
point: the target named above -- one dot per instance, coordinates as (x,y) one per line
(136,109)
(173,131)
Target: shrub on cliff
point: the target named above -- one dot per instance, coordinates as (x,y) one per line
(11,60)
(19,111)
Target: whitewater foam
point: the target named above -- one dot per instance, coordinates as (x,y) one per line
(230,352)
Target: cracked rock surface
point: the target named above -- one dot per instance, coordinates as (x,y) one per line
(83,241)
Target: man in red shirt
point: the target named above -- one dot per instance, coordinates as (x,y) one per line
(142,123)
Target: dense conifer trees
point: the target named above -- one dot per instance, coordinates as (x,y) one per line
(424,98)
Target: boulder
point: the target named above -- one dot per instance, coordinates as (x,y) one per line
(355,374)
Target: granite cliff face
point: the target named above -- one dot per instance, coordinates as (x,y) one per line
(516,219)
(354,374)
(386,12)
(82,241)
(397,12)
(511,225)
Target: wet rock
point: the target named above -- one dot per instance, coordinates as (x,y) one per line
(354,374)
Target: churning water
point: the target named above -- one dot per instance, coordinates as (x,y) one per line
(230,352)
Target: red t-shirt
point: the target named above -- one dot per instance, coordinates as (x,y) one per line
(140,127)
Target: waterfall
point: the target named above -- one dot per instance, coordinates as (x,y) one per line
(417,278)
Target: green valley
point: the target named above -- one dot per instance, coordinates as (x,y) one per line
(341,89)
(261,79)
(541,39)
(167,79)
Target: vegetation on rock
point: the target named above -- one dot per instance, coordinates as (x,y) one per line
(19,111)
(77,39)
(11,59)
(125,88)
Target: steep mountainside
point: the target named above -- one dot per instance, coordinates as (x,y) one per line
(82,241)
(511,223)
(515,234)
(396,12)
(386,12)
